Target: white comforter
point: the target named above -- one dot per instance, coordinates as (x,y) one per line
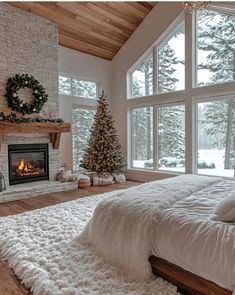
(168,219)
(186,236)
(122,229)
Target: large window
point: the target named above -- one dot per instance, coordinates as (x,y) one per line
(215,47)
(142,78)
(142,138)
(170,61)
(164,73)
(76,87)
(190,127)
(83,95)
(171,138)
(216,137)
(82,119)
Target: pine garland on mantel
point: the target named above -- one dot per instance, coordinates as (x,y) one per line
(40,97)
(14,118)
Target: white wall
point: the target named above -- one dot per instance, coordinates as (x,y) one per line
(83,66)
(153,26)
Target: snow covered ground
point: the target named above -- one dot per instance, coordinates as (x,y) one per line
(216,156)
(213,156)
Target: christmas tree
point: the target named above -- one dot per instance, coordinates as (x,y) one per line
(103,154)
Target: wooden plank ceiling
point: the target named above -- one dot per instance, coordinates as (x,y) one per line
(96,28)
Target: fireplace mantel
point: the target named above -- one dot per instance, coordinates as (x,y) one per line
(53,129)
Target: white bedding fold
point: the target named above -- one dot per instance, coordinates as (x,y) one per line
(188,238)
(121,229)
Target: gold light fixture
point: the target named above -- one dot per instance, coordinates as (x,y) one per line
(191,5)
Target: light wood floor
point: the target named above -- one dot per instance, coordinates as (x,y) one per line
(9,284)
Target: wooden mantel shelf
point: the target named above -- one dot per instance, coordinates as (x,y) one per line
(53,129)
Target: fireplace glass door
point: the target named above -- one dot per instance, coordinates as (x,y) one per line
(28,162)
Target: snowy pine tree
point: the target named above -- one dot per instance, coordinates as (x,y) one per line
(219,123)
(166,79)
(83,88)
(141,133)
(82,121)
(103,154)
(171,132)
(172,142)
(216,36)
(143,86)
(76,87)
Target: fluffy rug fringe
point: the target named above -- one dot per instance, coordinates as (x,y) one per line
(31,278)
(42,248)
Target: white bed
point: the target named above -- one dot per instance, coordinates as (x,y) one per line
(186,236)
(168,219)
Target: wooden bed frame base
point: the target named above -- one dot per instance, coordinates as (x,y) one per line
(184,279)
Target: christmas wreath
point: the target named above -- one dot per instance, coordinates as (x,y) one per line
(15,103)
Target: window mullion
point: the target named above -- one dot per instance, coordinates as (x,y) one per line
(155,138)
(190,72)
(155,62)
(71,87)
(189,141)
(189,53)
(130,86)
(130,138)
(194,137)
(194,44)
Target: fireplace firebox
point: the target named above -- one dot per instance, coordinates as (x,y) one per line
(27,163)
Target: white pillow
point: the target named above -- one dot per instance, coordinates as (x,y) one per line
(225,209)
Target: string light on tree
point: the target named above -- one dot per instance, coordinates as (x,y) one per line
(103,154)
(191,5)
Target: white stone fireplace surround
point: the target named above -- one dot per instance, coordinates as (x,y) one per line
(29,44)
(22,138)
(21,191)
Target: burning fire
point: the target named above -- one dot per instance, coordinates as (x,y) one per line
(26,169)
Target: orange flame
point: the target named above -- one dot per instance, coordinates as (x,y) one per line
(27,169)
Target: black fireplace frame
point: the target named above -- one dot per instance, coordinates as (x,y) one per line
(23,148)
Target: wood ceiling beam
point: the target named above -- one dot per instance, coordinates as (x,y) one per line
(97,18)
(131,6)
(84,47)
(112,9)
(104,27)
(45,12)
(91,41)
(96,28)
(92,25)
(53,6)
(149,5)
(69,23)
(107,39)
(125,10)
(112,14)
(139,6)
(83,18)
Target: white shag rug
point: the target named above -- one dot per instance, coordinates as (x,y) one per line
(41,247)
